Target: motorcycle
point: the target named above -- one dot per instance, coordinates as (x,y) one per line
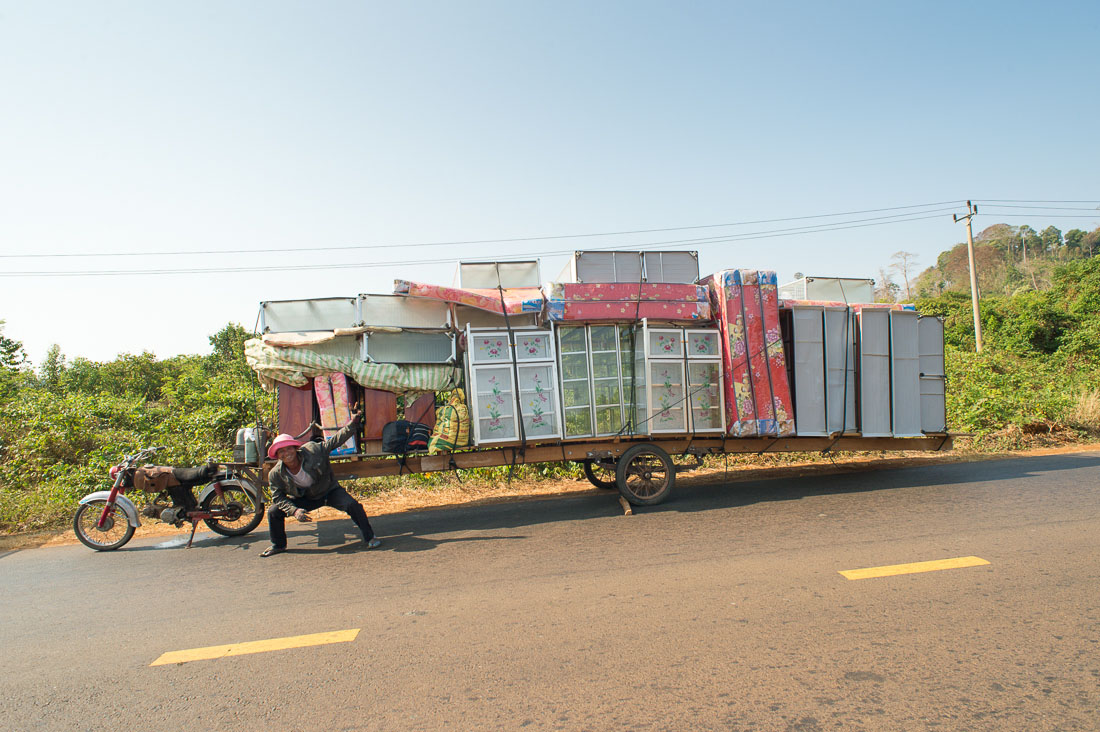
(228,503)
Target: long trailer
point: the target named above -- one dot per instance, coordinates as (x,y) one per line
(613,370)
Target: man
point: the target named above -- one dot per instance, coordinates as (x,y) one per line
(302,480)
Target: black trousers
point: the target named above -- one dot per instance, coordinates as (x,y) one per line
(338,498)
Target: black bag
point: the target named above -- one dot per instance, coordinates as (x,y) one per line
(395,437)
(402,437)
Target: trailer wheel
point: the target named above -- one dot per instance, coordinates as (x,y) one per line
(601,473)
(645,475)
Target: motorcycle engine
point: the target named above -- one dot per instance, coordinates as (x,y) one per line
(153,510)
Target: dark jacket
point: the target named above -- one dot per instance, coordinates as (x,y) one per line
(314,457)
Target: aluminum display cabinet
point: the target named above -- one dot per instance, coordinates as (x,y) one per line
(824,370)
(397,311)
(809,371)
(684,379)
(904,374)
(340,346)
(294,316)
(874,373)
(841,371)
(600,395)
(490,275)
(933,379)
(829,289)
(492,366)
(409,347)
(626,266)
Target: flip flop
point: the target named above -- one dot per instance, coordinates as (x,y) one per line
(272,551)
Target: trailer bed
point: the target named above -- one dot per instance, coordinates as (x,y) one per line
(641,468)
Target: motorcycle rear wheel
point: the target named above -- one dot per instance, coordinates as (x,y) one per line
(242,515)
(115,532)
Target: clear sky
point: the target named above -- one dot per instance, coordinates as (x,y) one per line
(140,128)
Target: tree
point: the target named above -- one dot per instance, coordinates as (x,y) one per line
(1091,240)
(1001,236)
(228,342)
(886,290)
(12,356)
(1028,239)
(930,283)
(904,264)
(1052,239)
(52,370)
(1073,239)
(12,362)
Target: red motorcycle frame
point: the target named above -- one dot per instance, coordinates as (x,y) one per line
(229,504)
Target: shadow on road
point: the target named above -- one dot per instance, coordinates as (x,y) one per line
(410,532)
(712,492)
(334,536)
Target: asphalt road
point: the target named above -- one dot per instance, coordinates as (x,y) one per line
(722,609)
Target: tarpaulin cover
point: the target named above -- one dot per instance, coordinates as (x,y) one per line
(627,301)
(758,395)
(517,300)
(296,366)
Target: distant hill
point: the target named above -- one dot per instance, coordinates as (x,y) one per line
(1009,260)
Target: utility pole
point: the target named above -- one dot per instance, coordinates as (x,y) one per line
(973,272)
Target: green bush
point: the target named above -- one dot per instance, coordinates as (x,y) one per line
(61,433)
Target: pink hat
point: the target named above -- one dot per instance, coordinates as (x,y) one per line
(283,440)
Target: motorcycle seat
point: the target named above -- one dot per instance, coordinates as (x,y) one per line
(195,476)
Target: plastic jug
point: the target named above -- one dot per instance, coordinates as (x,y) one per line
(249,444)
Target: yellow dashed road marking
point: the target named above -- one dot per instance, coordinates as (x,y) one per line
(893,569)
(241,649)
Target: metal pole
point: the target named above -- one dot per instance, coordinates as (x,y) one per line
(974,284)
(973,275)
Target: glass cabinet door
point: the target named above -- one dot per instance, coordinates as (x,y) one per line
(705,396)
(495,403)
(606,384)
(665,343)
(667,404)
(533,346)
(632,358)
(576,390)
(489,348)
(702,343)
(538,398)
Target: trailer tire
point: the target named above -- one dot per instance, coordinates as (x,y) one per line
(645,475)
(601,476)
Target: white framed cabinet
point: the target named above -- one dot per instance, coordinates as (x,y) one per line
(602,379)
(498,369)
(684,375)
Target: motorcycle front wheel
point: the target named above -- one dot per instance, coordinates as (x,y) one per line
(239,515)
(115,532)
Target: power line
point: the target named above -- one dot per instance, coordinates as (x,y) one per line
(483,241)
(1044,208)
(797,231)
(1027,200)
(1048,216)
